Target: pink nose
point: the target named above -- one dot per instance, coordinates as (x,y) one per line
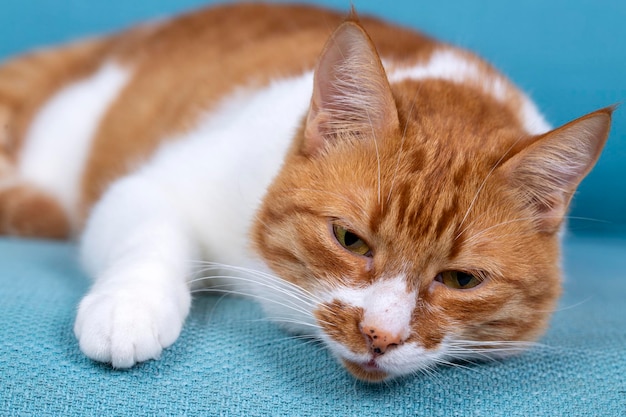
(379,340)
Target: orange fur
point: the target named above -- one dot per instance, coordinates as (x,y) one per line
(436,181)
(448,194)
(186,65)
(29,212)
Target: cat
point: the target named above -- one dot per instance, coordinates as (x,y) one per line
(393,196)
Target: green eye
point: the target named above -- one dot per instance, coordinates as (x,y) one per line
(351,241)
(458,280)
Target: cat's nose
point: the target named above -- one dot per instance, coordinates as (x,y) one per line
(379,340)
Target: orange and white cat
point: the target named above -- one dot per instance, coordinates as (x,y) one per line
(391,195)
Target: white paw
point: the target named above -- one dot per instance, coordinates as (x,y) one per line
(123,326)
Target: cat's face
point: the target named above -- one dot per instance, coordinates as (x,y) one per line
(421,234)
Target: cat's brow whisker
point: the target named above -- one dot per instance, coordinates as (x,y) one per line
(504,223)
(406,126)
(348,81)
(521,219)
(339,196)
(482,185)
(375,139)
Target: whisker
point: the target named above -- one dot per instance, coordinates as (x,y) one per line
(283,283)
(564,308)
(255,296)
(283,290)
(462,342)
(222,288)
(482,185)
(431,372)
(465,350)
(375,139)
(454,365)
(270,277)
(335,194)
(287,320)
(308,338)
(227,290)
(406,126)
(521,219)
(207,315)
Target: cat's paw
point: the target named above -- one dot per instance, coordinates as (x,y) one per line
(126,326)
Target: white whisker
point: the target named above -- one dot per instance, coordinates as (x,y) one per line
(454,365)
(254,296)
(482,185)
(270,278)
(288,320)
(406,125)
(220,287)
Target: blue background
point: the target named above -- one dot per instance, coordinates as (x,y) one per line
(570,56)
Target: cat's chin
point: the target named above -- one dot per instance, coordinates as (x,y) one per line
(365,371)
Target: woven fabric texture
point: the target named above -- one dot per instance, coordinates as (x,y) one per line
(230,361)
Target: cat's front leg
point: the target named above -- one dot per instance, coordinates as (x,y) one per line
(137,249)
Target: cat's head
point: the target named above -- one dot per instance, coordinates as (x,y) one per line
(418,222)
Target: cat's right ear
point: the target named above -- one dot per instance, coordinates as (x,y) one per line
(351,93)
(549,170)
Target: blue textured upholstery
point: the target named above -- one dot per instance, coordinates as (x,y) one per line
(229,361)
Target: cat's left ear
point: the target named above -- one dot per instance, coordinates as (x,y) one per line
(548,171)
(351,93)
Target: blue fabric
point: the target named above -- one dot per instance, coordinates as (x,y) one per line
(229,361)
(570,55)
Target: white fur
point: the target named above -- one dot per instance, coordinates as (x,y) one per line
(224,166)
(136,247)
(450,65)
(453,66)
(386,304)
(64,128)
(534,122)
(195,198)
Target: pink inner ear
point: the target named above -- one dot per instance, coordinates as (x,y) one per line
(548,172)
(351,93)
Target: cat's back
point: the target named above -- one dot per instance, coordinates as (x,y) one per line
(129,92)
(184,67)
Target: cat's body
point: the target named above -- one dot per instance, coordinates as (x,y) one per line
(210,137)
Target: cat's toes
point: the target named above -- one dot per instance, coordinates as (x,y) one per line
(126,328)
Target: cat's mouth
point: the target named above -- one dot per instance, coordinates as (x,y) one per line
(366,371)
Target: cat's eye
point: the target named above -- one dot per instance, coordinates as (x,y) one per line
(351,241)
(458,280)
